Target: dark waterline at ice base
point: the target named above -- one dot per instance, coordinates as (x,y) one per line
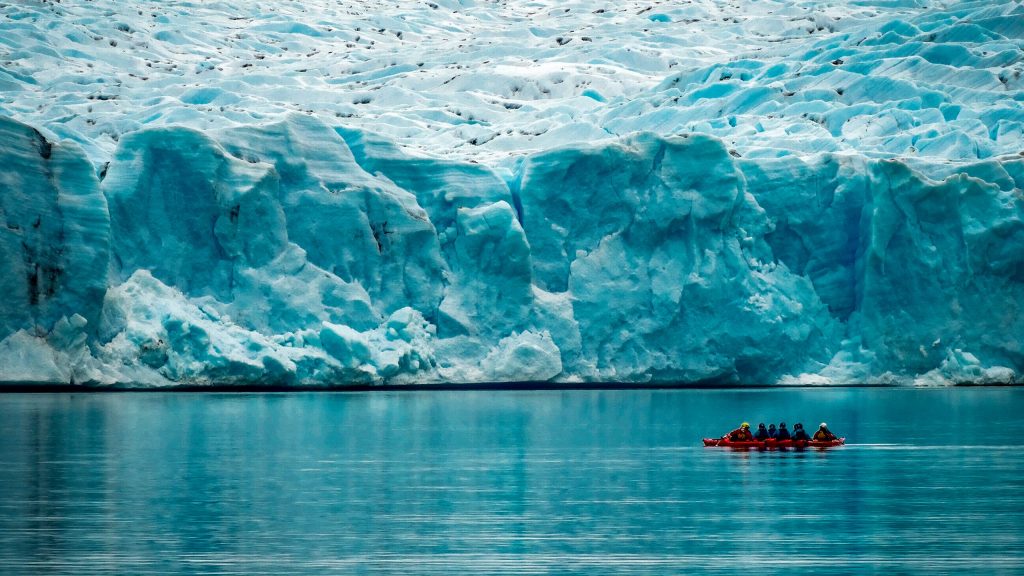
(589,482)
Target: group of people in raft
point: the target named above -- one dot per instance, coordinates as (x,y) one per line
(743,434)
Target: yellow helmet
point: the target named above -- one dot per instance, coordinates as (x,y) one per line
(745,425)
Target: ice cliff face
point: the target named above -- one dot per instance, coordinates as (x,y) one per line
(838,202)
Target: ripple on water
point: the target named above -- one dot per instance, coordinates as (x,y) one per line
(611,482)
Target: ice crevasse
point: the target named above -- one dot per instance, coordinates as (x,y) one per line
(294,253)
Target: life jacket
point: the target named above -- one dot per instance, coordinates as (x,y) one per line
(800,434)
(740,435)
(772,433)
(762,434)
(783,434)
(824,435)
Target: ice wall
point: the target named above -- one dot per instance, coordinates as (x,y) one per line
(293,253)
(924,274)
(54,248)
(358,191)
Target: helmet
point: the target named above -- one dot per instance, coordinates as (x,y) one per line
(798,425)
(823,425)
(761,425)
(770,426)
(782,424)
(745,425)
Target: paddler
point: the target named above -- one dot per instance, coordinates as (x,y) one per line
(824,434)
(762,433)
(772,432)
(783,432)
(741,434)
(799,433)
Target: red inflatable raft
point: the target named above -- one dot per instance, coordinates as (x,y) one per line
(771,444)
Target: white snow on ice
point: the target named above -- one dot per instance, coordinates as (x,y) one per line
(484,79)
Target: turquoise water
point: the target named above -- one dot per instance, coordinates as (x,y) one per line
(589,482)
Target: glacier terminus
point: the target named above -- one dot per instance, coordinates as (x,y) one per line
(461,191)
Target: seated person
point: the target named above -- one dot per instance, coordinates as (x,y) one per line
(741,434)
(783,432)
(772,432)
(824,434)
(762,433)
(799,433)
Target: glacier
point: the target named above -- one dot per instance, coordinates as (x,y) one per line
(358,193)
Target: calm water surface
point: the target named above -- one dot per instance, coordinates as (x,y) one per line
(592,482)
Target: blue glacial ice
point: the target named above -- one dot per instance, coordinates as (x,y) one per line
(329,195)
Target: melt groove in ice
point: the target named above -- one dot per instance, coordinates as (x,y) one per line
(791,193)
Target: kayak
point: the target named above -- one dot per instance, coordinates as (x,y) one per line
(771,444)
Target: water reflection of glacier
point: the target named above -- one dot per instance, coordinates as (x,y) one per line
(506,482)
